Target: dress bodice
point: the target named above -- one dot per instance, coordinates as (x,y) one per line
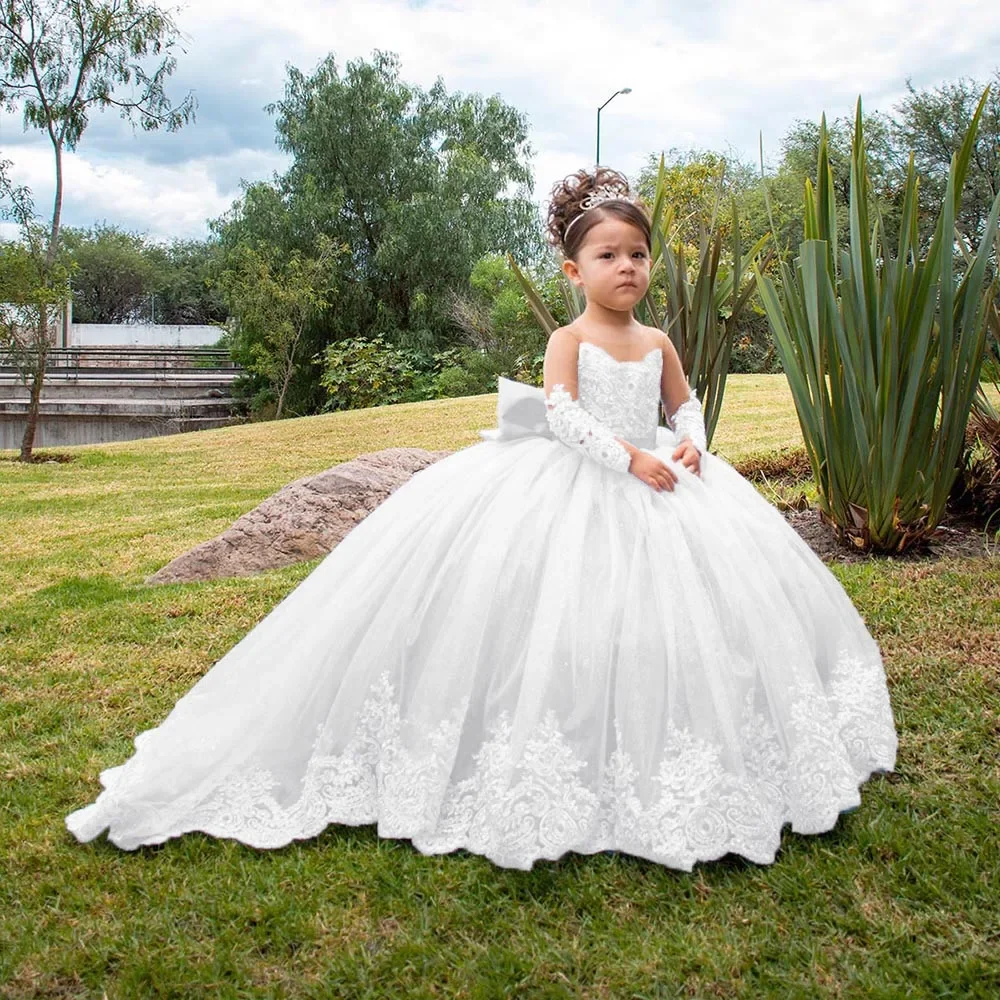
(623,395)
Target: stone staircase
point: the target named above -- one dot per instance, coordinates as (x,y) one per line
(94,395)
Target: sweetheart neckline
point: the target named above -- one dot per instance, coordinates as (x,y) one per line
(619,361)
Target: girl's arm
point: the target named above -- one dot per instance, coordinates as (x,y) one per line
(569,421)
(680,401)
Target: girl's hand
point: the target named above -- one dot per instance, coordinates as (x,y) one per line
(689,456)
(652,471)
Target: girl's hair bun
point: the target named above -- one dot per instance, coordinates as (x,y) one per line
(566,202)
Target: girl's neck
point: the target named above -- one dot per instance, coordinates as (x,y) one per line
(616,322)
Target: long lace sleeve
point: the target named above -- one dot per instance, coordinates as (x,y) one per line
(688,422)
(580,429)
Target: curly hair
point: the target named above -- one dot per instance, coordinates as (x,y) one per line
(567,196)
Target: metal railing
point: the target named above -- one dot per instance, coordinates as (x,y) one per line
(120,359)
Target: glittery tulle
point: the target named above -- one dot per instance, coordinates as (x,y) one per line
(523,652)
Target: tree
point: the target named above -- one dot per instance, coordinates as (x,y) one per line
(933,123)
(414,182)
(123,277)
(886,167)
(113,277)
(32,288)
(185,288)
(60,60)
(414,177)
(698,185)
(271,302)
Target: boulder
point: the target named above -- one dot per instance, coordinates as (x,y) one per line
(303,520)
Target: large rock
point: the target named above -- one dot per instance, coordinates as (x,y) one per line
(303,520)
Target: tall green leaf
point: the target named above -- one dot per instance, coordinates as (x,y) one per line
(882,347)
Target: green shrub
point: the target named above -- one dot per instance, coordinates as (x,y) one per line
(360,372)
(474,372)
(753,351)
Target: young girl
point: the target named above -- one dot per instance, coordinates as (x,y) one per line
(584,633)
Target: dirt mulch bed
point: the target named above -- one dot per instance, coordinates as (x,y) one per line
(955,538)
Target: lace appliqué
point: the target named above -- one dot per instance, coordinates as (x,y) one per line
(539,802)
(578,428)
(376,778)
(623,395)
(688,422)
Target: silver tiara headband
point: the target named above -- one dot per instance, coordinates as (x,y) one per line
(600,194)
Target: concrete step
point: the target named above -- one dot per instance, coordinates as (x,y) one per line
(128,408)
(132,357)
(97,395)
(66,430)
(129,375)
(194,388)
(136,371)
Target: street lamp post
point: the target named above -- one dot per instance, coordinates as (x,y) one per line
(624,90)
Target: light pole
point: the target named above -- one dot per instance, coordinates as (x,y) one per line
(624,90)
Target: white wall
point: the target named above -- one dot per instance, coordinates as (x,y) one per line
(142,335)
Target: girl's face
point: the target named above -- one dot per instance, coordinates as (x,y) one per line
(612,265)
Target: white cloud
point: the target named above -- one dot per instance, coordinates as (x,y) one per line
(160,200)
(712,74)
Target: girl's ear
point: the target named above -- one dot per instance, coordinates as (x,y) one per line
(571,271)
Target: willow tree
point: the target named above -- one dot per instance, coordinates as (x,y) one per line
(59,61)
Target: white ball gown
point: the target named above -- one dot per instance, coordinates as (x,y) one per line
(522,652)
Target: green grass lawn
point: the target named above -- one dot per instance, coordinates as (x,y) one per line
(901,899)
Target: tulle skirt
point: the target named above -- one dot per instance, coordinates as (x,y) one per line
(522,653)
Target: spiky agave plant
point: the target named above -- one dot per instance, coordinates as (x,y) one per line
(702,307)
(986,409)
(977,489)
(882,347)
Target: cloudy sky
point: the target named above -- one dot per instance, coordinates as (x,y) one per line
(704,74)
